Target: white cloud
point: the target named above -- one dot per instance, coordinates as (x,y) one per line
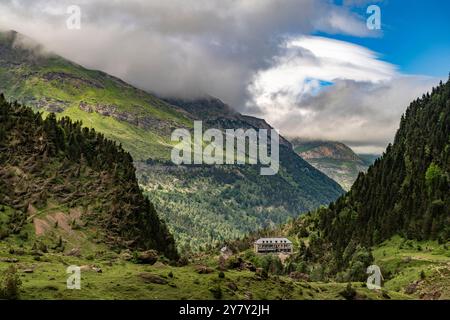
(330,89)
(177,47)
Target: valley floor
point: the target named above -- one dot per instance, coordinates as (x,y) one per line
(411,270)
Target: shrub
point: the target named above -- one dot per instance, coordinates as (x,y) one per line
(10,284)
(422,275)
(217,292)
(349,292)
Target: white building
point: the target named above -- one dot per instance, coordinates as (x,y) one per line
(273,245)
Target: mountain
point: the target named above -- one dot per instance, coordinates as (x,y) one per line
(405,193)
(66,185)
(141,122)
(335,159)
(407,190)
(69,197)
(202,205)
(395,217)
(209,204)
(368,158)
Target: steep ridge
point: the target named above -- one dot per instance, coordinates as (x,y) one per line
(55,171)
(396,216)
(406,190)
(405,193)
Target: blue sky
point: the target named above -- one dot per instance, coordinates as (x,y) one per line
(415,35)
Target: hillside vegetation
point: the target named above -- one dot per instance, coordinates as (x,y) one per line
(406,192)
(395,216)
(57,177)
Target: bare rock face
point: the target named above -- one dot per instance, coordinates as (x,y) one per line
(126,255)
(133,117)
(75,81)
(49,104)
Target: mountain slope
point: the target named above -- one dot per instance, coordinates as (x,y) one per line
(57,178)
(223,202)
(335,159)
(396,216)
(406,192)
(202,206)
(141,122)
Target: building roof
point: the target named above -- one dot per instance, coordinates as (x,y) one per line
(273,240)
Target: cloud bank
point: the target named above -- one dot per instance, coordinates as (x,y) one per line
(176,47)
(249,53)
(321,88)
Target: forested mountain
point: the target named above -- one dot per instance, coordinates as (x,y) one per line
(56,171)
(397,215)
(201,205)
(335,159)
(408,189)
(406,192)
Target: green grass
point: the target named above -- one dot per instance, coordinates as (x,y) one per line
(402,262)
(140,143)
(121,280)
(27,84)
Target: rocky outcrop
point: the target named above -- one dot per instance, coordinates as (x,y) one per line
(50,104)
(147,257)
(74,80)
(142,121)
(152,278)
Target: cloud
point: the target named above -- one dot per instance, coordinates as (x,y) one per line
(250,53)
(177,47)
(328,89)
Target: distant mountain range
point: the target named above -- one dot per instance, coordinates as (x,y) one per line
(335,159)
(202,205)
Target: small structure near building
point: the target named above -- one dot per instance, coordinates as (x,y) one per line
(273,245)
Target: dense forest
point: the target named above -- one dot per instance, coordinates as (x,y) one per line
(48,162)
(407,190)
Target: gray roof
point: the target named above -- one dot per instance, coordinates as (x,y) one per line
(272,240)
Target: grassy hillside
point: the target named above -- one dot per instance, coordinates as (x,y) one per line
(417,268)
(409,273)
(138,120)
(142,124)
(109,275)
